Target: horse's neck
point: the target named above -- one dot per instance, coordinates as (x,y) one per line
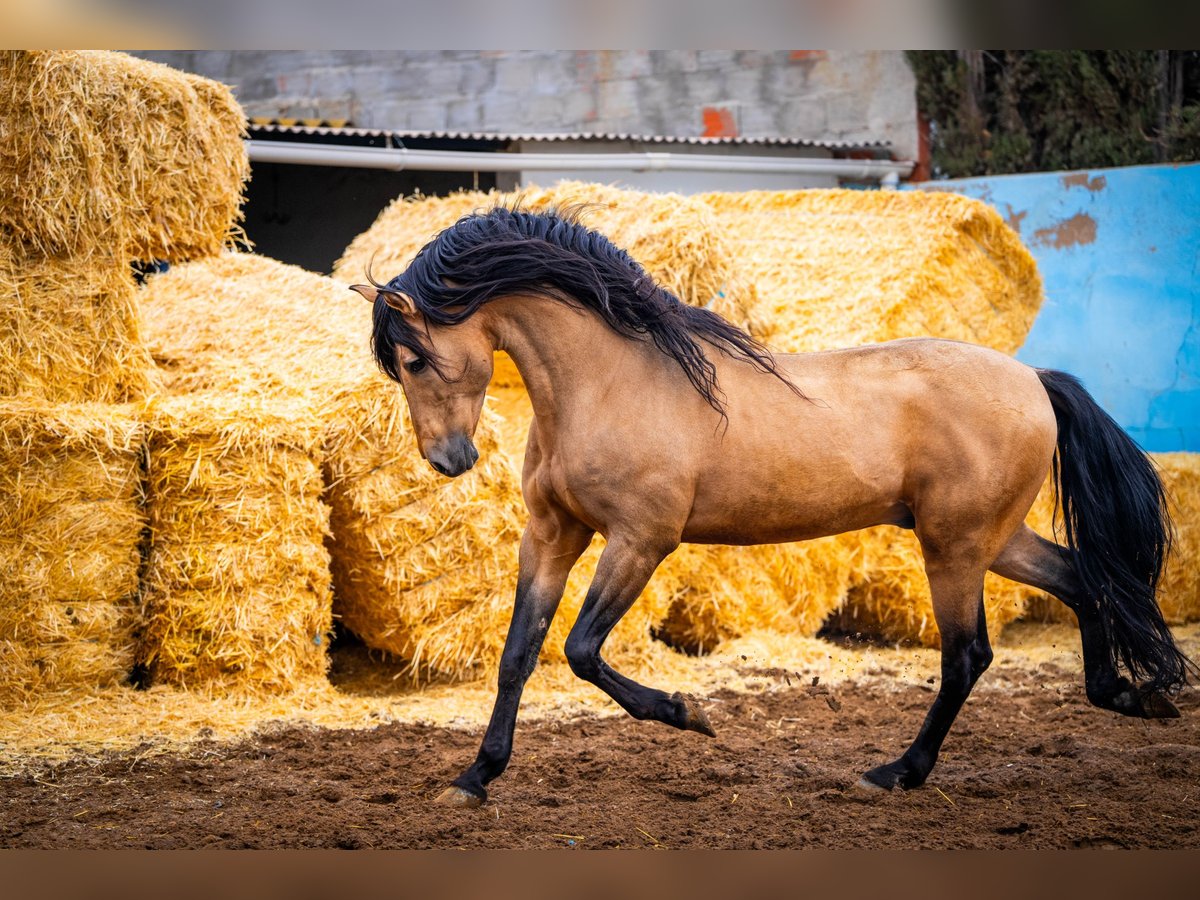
(565,355)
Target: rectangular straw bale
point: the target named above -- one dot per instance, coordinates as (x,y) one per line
(71,529)
(675,237)
(69,329)
(1179,587)
(839,268)
(104,153)
(236,589)
(423,567)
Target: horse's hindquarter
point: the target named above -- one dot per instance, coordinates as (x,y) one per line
(887,431)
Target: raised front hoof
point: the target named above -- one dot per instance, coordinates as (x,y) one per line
(1145,703)
(694,718)
(893,775)
(455,797)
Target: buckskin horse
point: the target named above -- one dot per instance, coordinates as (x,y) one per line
(657,423)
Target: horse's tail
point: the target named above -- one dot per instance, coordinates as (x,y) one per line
(1119,531)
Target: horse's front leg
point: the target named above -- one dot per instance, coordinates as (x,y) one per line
(549,548)
(624,569)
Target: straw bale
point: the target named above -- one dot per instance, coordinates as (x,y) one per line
(675,237)
(104,153)
(1179,589)
(69,329)
(236,588)
(71,530)
(838,268)
(889,598)
(730,592)
(422,567)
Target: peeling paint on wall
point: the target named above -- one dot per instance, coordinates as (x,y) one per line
(1080,179)
(1079,229)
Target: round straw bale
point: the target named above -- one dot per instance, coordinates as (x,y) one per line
(838,268)
(69,329)
(236,590)
(71,528)
(106,154)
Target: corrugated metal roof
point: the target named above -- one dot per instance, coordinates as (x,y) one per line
(262,129)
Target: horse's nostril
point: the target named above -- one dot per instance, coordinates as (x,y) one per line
(439,467)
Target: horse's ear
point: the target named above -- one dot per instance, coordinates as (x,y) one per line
(397,301)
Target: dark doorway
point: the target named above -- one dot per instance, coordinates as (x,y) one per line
(306,215)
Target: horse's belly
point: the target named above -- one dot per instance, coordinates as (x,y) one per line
(783,522)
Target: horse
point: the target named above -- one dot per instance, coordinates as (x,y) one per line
(657,423)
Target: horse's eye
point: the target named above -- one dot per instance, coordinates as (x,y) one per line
(415,366)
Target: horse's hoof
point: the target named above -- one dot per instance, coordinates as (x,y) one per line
(1144,703)
(881,778)
(458,798)
(866,786)
(694,717)
(1156,705)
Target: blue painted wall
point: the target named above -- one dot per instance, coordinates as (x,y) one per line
(1119,252)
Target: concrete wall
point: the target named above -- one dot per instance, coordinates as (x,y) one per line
(816,94)
(1119,251)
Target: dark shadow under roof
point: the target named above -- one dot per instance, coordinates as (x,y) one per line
(482,140)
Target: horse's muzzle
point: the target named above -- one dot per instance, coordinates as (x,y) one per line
(454,455)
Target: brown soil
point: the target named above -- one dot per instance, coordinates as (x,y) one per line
(1029,764)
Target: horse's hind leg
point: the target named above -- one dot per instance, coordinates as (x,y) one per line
(958,608)
(624,568)
(1033,560)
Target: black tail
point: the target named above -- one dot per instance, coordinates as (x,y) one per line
(1119,531)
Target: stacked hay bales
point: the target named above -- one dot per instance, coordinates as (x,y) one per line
(422,567)
(236,588)
(70,545)
(104,160)
(1179,589)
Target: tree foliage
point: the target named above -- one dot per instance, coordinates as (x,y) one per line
(999,111)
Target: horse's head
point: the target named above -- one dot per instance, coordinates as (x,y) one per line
(444,371)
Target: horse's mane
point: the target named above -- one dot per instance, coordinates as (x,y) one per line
(506,251)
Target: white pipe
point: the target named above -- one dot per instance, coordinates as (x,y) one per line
(398,158)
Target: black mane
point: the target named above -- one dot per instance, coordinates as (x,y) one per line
(507,251)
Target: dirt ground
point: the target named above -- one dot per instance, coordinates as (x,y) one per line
(1029,764)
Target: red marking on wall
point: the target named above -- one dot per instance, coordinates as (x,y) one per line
(719,121)
(1079,229)
(1080,179)
(805,55)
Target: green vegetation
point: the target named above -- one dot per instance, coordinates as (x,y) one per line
(994,112)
